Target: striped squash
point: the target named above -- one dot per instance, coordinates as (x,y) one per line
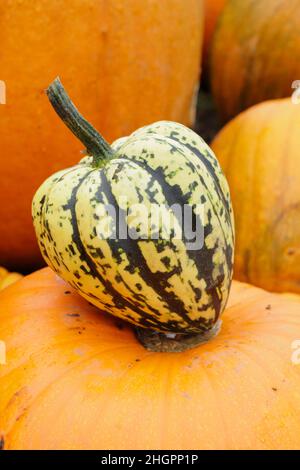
(161,283)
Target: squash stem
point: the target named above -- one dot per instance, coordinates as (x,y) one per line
(95,144)
(161,342)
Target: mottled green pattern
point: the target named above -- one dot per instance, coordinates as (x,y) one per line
(153,283)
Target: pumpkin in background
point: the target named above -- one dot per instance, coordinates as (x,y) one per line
(7,278)
(212,11)
(259,153)
(127,63)
(76,378)
(255,53)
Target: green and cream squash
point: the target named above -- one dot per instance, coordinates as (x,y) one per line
(159,283)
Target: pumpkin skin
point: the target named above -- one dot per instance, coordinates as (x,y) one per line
(79,379)
(259,36)
(159,284)
(7,278)
(212,11)
(259,153)
(127,63)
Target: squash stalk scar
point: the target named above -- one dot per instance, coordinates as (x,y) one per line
(162,342)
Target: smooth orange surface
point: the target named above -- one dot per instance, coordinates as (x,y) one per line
(255,53)
(259,153)
(125,64)
(212,9)
(76,378)
(7,278)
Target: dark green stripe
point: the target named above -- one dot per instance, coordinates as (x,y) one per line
(159,283)
(118,300)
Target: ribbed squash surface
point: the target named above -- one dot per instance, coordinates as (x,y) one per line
(157,283)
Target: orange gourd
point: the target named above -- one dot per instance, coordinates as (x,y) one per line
(212,11)
(126,63)
(7,278)
(76,378)
(255,53)
(259,154)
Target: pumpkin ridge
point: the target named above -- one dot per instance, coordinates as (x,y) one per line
(260,35)
(267,253)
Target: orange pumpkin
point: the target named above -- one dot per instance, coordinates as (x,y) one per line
(7,278)
(126,63)
(212,11)
(259,153)
(255,53)
(76,378)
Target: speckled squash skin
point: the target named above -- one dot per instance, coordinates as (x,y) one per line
(259,153)
(126,62)
(255,53)
(158,284)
